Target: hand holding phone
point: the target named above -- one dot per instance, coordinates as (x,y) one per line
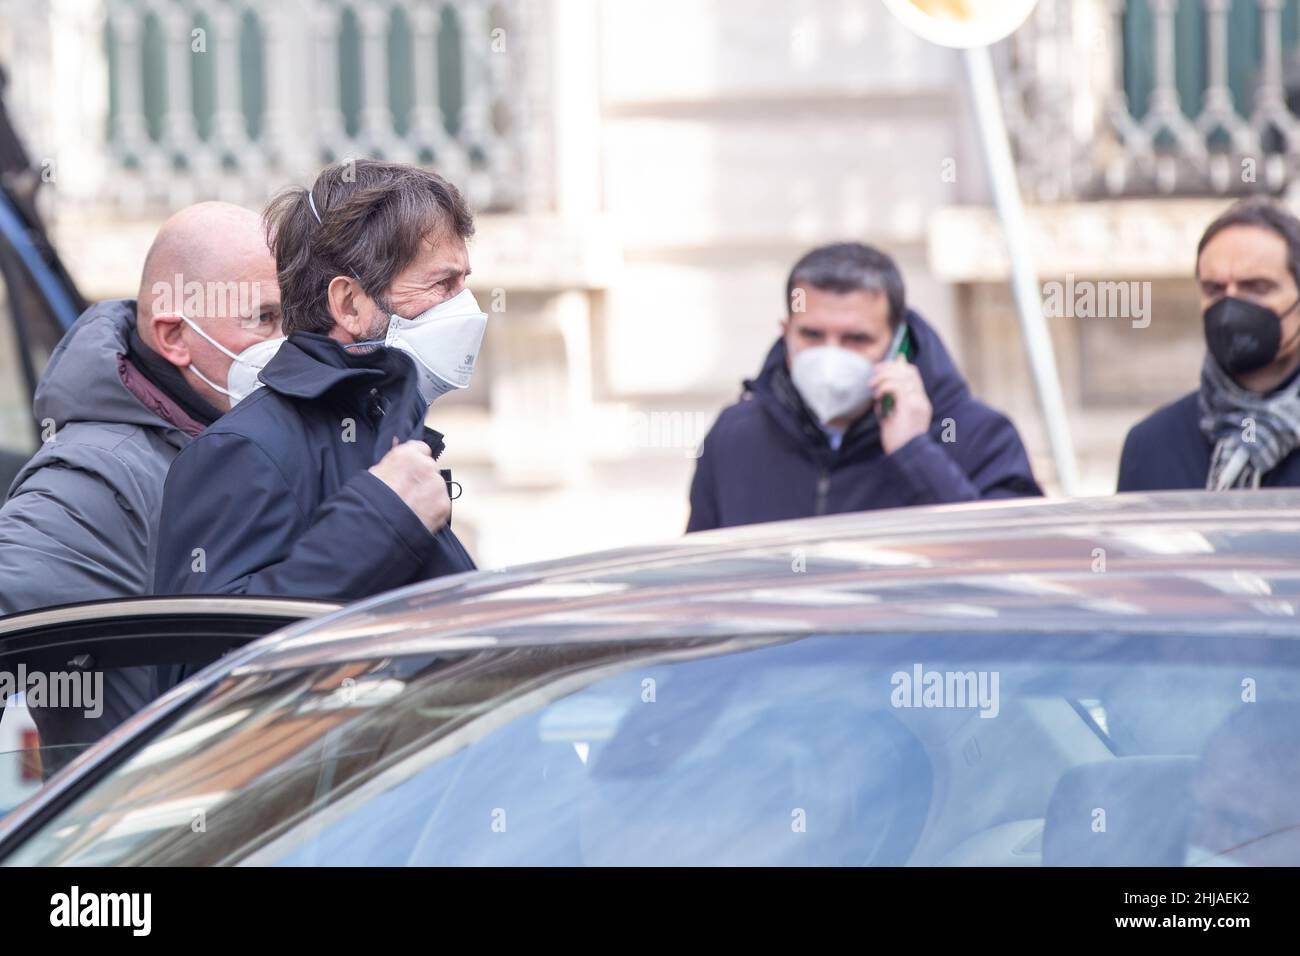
(899,346)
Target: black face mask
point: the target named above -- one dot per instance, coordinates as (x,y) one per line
(1242,335)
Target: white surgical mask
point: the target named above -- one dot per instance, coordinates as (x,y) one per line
(241,379)
(834,382)
(443,341)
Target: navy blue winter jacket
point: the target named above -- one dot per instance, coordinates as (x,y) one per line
(766,459)
(275,498)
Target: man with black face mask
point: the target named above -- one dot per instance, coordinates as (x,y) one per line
(1241,428)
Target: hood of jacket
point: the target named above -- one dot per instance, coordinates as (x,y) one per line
(82,382)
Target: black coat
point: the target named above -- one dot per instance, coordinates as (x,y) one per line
(275,497)
(1167,450)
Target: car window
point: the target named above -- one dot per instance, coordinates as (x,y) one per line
(979,749)
(24,764)
(72,674)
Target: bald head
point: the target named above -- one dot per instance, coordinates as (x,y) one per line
(210,242)
(210,265)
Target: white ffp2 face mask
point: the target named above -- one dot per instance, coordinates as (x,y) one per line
(443,341)
(834,382)
(241,379)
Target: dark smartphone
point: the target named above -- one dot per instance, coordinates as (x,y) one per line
(901,345)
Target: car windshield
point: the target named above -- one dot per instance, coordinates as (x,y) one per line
(930,749)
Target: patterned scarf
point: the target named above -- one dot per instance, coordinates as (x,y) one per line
(1251,433)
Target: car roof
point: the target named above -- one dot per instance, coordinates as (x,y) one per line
(1205,563)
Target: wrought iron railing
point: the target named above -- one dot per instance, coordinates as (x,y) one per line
(234,98)
(1124,97)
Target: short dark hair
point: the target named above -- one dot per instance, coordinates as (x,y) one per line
(373,217)
(1264,213)
(847,267)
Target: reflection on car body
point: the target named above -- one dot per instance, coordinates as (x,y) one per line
(705,703)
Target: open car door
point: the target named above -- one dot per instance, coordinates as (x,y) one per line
(106,635)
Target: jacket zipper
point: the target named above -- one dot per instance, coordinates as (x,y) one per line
(823,487)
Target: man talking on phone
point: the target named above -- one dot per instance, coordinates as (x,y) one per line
(858,406)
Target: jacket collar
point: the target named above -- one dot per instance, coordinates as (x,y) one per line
(82,382)
(308,365)
(382,384)
(152,396)
(166,380)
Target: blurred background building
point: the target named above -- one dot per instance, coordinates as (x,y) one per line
(647,171)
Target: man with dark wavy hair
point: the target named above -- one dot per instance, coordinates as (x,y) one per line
(322,483)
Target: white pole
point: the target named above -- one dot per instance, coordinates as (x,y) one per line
(1024,281)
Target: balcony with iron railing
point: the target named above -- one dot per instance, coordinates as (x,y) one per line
(1133,123)
(231,98)
(1155,97)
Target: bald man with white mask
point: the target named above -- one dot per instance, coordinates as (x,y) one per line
(130,384)
(208,292)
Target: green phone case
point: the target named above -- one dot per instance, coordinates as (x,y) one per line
(902,345)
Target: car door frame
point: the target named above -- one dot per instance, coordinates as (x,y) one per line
(215,626)
(110,633)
